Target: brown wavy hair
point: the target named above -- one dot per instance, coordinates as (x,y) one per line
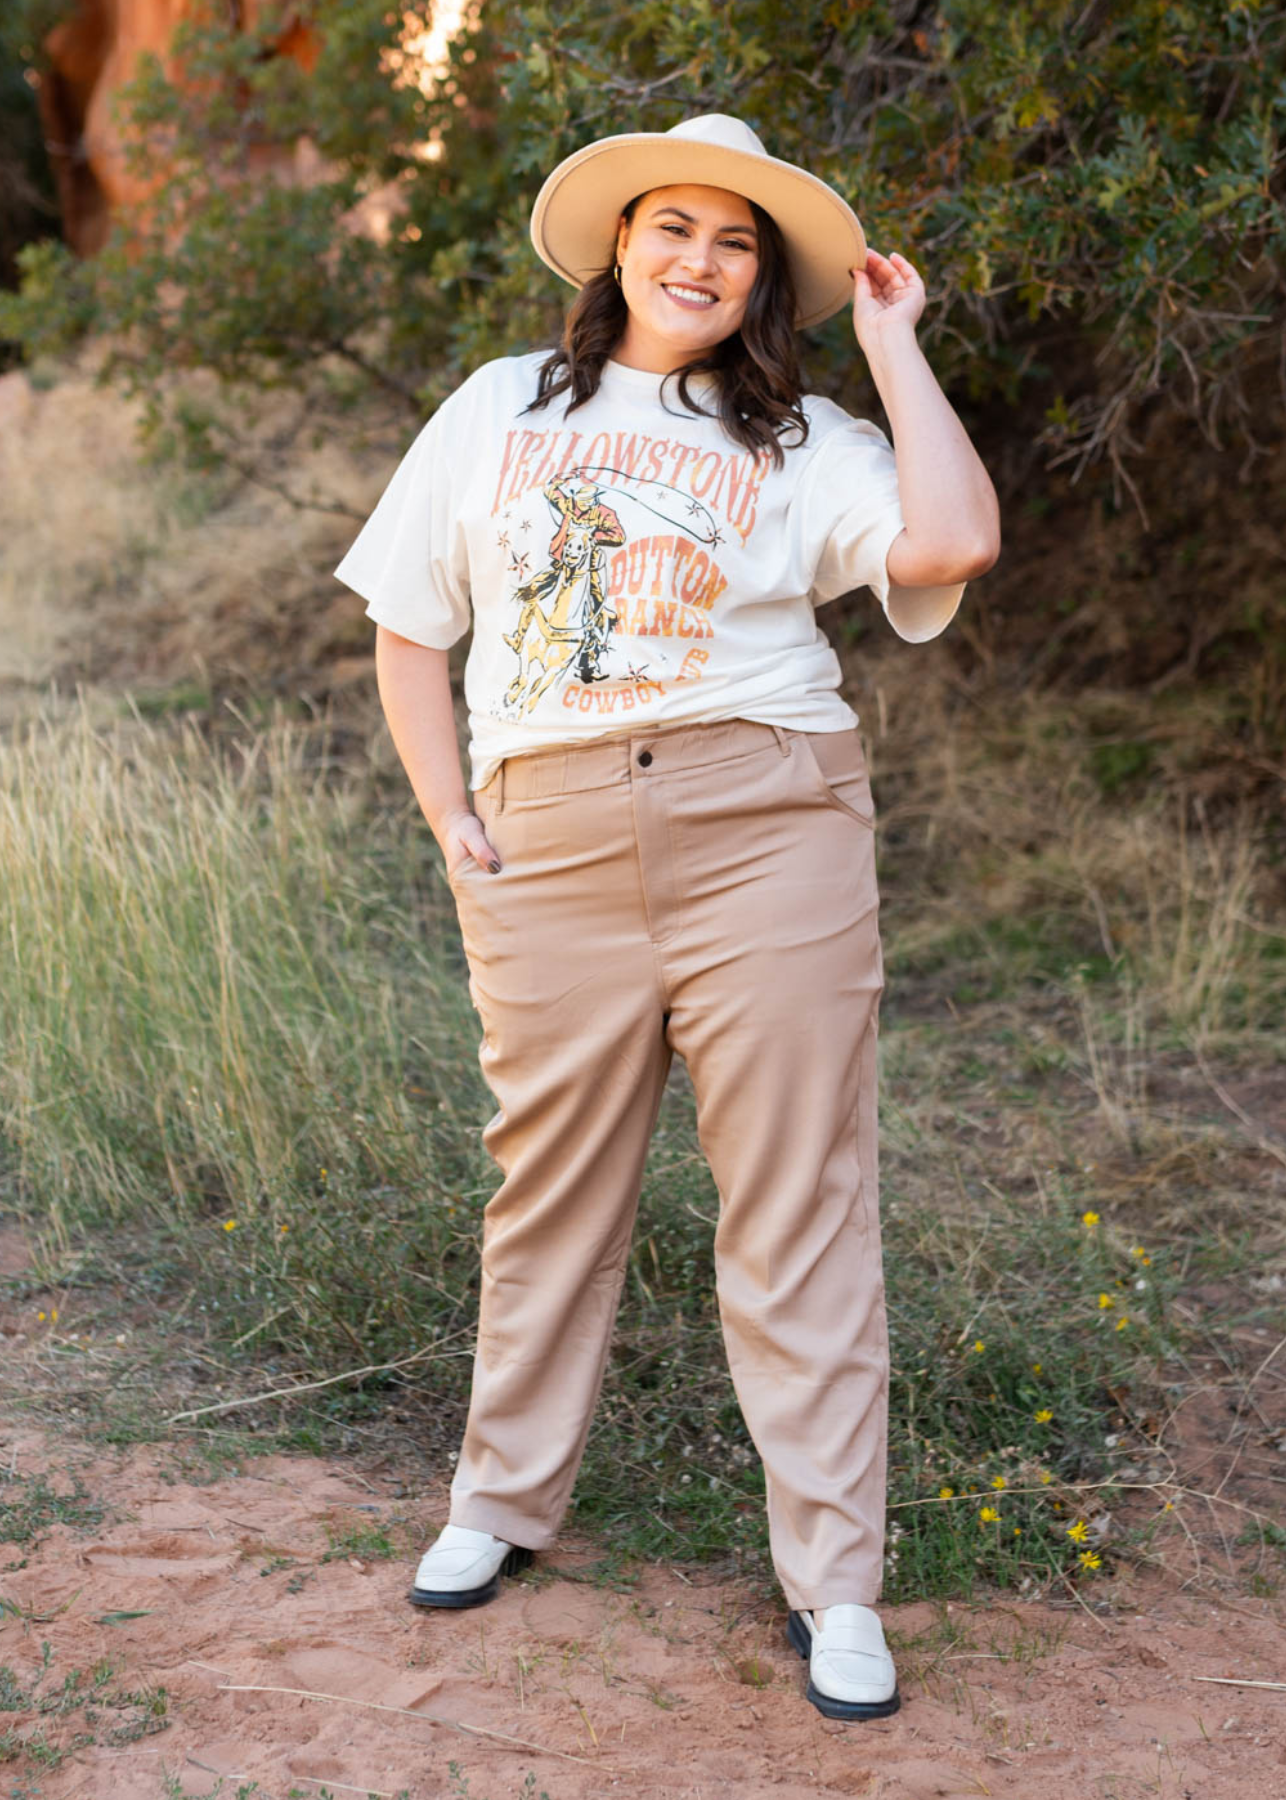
(758,366)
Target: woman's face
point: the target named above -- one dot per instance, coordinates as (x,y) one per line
(688,260)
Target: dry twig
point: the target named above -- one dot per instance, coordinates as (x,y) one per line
(405,1712)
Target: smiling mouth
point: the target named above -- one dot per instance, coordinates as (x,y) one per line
(686,296)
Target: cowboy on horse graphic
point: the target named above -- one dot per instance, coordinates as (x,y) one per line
(565,613)
(565,616)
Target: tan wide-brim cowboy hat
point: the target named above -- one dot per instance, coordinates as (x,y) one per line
(575,218)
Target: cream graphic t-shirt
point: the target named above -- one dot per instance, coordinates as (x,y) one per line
(629,563)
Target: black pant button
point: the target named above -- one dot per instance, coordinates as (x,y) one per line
(645,757)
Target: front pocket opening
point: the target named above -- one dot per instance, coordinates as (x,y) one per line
(829,785)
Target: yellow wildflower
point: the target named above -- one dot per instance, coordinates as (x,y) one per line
(53,1316)
(987,1515)
(1089,1218)
(1036,1368)
(1080,1531)
(40,1316)
(1106,1300)
(1043,1416)
(946,1493)
(1137,1250)
(1122,1322)
(229,1224)
(1089,1560)
(997,1481)
(979,1346)
(1046,1477)
(1018,1531)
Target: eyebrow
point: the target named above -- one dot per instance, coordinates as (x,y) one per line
(748,230)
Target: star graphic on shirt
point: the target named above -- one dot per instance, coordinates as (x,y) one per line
(716,537)
(502,542)
(633,674)
(520,564)
(694,506)
(525,526)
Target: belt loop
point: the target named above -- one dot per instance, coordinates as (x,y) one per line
(783,743)
(500,788)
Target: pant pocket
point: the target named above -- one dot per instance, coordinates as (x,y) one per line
(836,767)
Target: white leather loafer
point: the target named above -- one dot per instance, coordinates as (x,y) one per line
(463,1568)
(850,1671)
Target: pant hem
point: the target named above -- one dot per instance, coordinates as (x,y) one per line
(845,1593)
(501,1522)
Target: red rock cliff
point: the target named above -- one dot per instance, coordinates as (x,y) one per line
(92,53)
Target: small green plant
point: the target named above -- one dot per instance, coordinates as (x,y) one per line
(82,1694)
(1263,1532)
(1116,764)
(461,1788)
(150,1709)
(37,1747)
(188,696)
(368,1543)
(172,1788)
(30,1505)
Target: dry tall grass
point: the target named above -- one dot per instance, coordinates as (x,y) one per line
(118,568)
(206,996)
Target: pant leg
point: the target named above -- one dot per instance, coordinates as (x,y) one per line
(777,974)
(562,974)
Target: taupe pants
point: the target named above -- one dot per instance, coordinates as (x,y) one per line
(707,888)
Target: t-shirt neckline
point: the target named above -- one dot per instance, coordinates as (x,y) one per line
(648,381)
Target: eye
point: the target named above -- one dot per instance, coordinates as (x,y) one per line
(727,243)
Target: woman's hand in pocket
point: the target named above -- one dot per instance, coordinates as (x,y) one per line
(463,840)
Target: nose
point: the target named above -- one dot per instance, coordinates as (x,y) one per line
(698,255)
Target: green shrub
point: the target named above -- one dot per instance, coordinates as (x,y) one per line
(1094,194)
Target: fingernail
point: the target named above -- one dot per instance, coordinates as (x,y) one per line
(494,867)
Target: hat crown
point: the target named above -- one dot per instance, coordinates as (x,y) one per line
(721,129)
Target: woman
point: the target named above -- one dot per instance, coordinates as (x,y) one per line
(670,846)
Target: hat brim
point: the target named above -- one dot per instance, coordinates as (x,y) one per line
(574,220)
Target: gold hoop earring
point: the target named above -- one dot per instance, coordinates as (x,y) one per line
(617,272)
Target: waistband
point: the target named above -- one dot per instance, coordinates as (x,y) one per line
(604,761)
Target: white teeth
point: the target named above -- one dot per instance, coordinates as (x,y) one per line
(691,294)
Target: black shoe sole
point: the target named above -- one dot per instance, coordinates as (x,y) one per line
(517,1559)
(797,1632)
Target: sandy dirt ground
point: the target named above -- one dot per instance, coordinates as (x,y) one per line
(172,1623)
(302,1669)
(292,1671)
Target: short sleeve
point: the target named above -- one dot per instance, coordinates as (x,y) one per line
(852,513)
(410,561)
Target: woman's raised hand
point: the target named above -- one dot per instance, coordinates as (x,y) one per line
(888,297)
